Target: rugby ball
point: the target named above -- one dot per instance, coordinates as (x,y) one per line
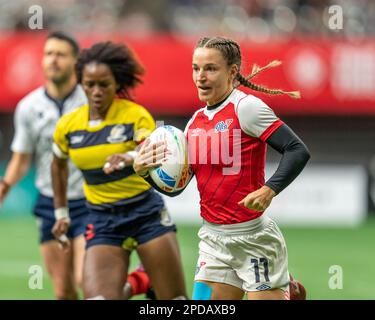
(175,173)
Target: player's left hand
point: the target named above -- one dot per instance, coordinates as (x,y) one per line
(258,200)
(117,162)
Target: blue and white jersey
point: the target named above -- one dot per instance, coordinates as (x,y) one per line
(35,120)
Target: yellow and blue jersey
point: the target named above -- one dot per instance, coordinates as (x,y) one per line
(124,127)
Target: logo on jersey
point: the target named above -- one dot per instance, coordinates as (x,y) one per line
(117,134)
(223,126)
(76,139)
(195,132)
(263,287)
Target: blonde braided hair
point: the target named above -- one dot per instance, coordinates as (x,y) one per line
(232,54)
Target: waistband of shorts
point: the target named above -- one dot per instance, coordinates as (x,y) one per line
(48,198)
(238,228)
(123,205)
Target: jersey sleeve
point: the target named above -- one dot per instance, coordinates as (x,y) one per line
(143,126)
(60,145)
(24,139)
(256,118)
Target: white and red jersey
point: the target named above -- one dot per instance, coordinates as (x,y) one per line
(227,150)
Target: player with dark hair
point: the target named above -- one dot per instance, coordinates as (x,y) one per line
(125,213)
(241,249)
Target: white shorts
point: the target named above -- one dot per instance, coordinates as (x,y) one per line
(251,255)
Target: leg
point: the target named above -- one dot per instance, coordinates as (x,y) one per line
(223,291)
(78,245)
(274,294)
(162,262)
(105,272)
(59,265)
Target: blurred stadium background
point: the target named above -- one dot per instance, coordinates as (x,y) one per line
(327,215)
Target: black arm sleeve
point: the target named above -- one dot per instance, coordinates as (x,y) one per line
(294,157)
(169,194)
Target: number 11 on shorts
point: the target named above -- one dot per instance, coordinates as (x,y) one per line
(256,263)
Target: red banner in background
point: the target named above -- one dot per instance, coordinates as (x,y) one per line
(334,77)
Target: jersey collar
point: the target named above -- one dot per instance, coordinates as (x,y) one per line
(60,103)
(216,105)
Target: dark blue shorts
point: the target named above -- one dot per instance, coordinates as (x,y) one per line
(44,212)
(129,225)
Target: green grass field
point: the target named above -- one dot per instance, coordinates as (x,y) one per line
(312,252)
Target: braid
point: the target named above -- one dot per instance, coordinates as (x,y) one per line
(245,82)
(257,69)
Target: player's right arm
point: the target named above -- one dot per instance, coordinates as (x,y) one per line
(16,169)
(22,147)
